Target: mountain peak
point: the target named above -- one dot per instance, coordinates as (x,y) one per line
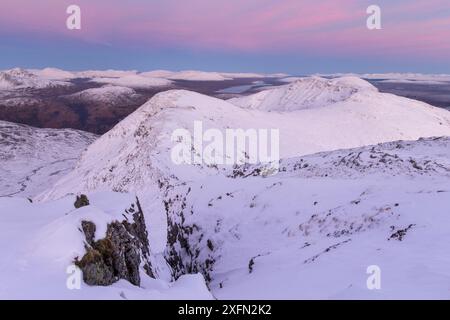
(305,93)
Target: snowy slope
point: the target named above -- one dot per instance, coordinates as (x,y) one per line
(32,159)
(19,79)
(40,241)
(113,95)
(305,93)
(309,231)
(278,236)
(312,230)
(54,74)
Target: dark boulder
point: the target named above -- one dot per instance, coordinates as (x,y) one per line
(81,201)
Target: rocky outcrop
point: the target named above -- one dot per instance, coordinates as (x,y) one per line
(120,254)
(81,201)
(188,249)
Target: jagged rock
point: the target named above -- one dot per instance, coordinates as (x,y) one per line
(120,254)
(185,252)
(81,201)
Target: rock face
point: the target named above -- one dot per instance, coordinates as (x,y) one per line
(81,201)
(120,254)
(188,250)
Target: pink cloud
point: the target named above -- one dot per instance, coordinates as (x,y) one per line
(243,25)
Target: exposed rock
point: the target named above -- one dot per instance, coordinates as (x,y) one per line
(186,243)
(120,254)
(400,233)
(81,201)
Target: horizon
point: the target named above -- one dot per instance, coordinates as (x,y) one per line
(295,37)
(317,74)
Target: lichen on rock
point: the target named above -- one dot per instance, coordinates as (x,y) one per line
(120,254)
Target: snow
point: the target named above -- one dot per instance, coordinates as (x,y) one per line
(142,140)
(407,81)
(51,77)
(290,238)
(342,219)
(304,93)
(134,81)
(20,78)
(44,238)
(193,75)
(108,94)
(32,159)
(157,74)
(395,76)
(358,169)
(54,74)
(198,76)
(291,79)
(241,75)
(105,73)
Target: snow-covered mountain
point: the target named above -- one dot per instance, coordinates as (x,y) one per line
(135,81)
(193,75)
(305,93)
(395,76)
(55,98)
(276,237)
(52,77)
(349,195)
(109,95)
(21,79)
(142,140)
(313,230)
(33,159)
(54,74)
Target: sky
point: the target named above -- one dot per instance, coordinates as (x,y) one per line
(292,36)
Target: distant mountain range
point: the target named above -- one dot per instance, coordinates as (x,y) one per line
(54,98)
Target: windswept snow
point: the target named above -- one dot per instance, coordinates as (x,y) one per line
(32,159)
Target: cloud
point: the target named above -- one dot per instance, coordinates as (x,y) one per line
(242,25)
